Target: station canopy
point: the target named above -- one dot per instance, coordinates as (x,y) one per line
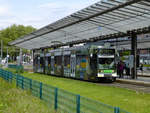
(100,19)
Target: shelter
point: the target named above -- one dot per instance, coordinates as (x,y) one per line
(107,19)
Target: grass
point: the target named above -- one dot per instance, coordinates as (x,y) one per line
(13,100)
(146,65)
(132,101)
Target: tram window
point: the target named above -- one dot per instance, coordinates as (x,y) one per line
(49,60)
(37,60)
(42,60)
(46,61)
(66,60)
(58,60)
(106,52)
(93,61)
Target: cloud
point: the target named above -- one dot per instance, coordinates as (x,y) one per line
(57,10)
(63,8)
(5,15)
(52,5)
(41,14)
(4,10)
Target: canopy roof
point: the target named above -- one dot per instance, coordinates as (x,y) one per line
(100,19)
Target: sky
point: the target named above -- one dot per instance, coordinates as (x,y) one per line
(38,13)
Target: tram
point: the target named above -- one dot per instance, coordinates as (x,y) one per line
(92,63)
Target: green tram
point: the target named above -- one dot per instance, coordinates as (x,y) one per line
(92,63)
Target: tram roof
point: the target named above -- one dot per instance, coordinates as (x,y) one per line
(104,19)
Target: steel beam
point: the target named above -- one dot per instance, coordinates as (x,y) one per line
(134,53)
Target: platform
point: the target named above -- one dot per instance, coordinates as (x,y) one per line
(143,81)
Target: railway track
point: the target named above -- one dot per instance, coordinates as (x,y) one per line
(138,88)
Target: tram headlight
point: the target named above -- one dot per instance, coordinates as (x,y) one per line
(101,71)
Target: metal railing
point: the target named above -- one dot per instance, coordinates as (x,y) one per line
(19,68)
(61,100)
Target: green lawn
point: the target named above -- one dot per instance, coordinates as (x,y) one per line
(13,100)
(132,101)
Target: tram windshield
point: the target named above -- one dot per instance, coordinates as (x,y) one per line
(106,63)
(105,52)
(106,58)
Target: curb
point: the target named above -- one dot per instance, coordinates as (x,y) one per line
(143,75)
(140,83)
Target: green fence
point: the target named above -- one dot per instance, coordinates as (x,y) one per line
(19,68)
(61,100)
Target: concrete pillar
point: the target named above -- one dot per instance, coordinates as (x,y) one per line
(134,53)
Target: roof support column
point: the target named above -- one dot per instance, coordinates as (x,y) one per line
(33,57)
(43,63)
(134,53)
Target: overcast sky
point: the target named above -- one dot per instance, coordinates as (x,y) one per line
(38,13)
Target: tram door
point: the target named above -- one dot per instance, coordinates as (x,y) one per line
(52,64)
(73,65)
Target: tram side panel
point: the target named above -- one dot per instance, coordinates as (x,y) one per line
(38,64)
(52,64)
(41,70)
(82,66)
(58,63)
(58,66)
(35,65)
(66,65)
(48,64)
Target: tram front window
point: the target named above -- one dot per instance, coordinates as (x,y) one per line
(106,63)
(106,52)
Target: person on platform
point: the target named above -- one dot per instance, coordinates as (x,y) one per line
(121,68)
(141,68)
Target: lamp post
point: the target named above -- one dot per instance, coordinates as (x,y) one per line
(7,58)
(1,50)
(20,57)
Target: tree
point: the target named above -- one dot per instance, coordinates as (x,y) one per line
(12,33)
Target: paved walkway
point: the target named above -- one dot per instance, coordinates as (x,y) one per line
(143,81)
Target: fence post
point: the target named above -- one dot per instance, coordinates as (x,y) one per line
(116,110)
(8,76)
(0,72)
(3,74)
(31,84)
(56,95)
(78,103)
(17,80)
(11,77)
(40,90)
(22,82)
